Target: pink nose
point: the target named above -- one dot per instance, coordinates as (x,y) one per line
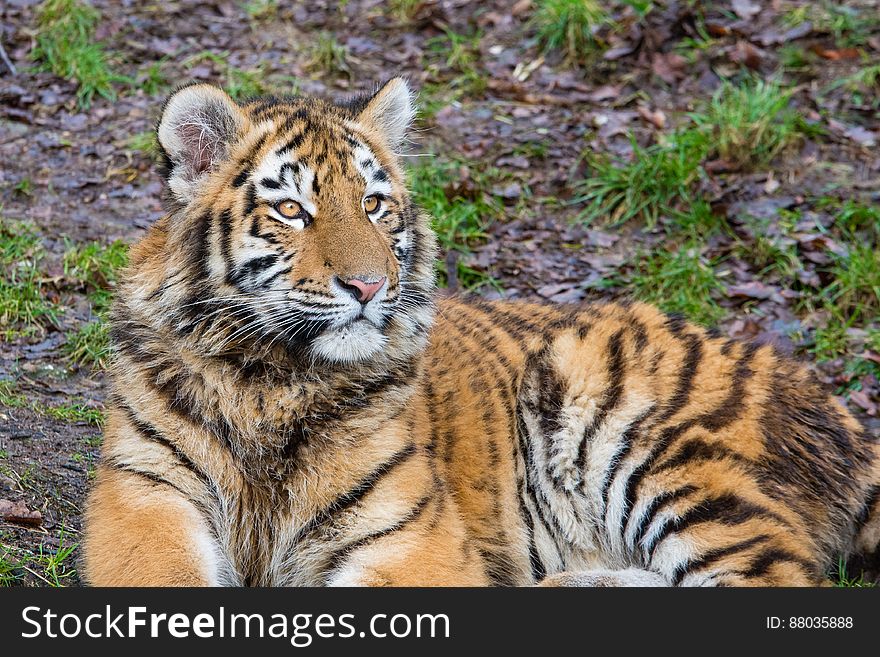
(362,290)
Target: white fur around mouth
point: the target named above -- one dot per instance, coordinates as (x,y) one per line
(354,342)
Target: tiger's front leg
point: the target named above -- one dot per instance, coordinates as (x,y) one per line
(145,533)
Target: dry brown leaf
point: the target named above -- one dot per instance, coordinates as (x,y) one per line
(18,513)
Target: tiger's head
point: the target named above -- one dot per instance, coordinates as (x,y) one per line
(291,226)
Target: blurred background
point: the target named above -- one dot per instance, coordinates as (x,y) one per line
(719,159)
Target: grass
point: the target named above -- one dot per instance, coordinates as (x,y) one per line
(152,79)
(25,187)
(404,10)
(65,46)
(749,124)
(460,211)
(570,26)
(239,83)
(261,9)
(143,143)
(52,567)
(95,268)
(460,54)
(854,218)
(855,289)
(851,300)
(73,412)
(679,281)
(745,125)
(89,345)
(650,184)
(328,55)
(770,249)
(842,579)
(24,308)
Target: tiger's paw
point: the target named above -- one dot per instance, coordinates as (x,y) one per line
(601,578)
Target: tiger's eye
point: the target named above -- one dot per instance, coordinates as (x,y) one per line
(371,204)
(288,209)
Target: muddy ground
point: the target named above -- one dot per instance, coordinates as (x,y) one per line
(514,122)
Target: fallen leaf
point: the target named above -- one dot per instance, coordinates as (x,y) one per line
(861,399)
(18,513)
(752,290)
(772,37)
(861,136)
(834,55)
(668,66)
(746,54)
(621,51)
(657,118)
(745,9)
(521,7)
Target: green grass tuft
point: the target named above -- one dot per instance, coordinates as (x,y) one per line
(460,210)
(65,46)
(842,579)
(74,411)
(680,281)
(748,125)
(89,344)
(570,26)
(651,183)
(329,56)
(24,309)
(95,268)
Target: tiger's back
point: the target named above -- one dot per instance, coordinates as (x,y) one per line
(291,405)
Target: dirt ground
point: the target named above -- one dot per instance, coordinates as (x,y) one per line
(517,127)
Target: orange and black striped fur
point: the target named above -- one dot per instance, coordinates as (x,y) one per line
(291,405)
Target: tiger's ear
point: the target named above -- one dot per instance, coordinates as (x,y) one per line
(199,123)
(390,111)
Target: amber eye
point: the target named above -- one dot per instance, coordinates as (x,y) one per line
(288,209)
(371,204)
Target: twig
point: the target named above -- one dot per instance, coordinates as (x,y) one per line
(6,60)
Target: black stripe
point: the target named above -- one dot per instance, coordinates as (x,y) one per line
(727,509)
(338,557)
(149,476)
(241,178)
(356,494)
(251,268)
(763,562)
(713,556)
(660,503)
(151,433)
(678,401)
(624,447)
(271,184)
(281,272)
(250,199)
(292,144)
(698,450)
(498,567)
(611,398)
(872,497)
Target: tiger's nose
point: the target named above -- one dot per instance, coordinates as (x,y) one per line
(360,289)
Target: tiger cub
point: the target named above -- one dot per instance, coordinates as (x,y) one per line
(292,404)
